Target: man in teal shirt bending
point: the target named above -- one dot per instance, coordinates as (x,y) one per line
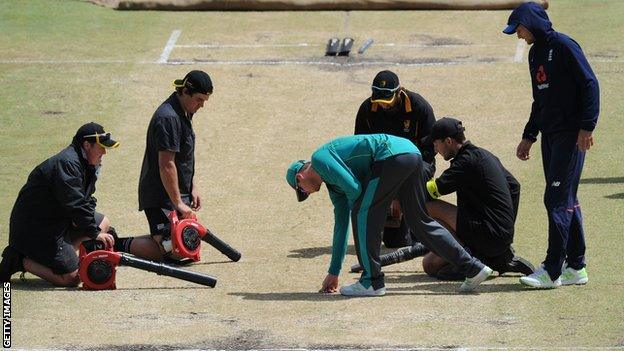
(363,173)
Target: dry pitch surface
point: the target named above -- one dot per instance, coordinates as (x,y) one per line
(64,63)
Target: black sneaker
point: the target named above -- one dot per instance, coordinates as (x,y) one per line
(12,262)
(519,265)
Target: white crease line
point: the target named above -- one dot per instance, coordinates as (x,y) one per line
(164,56)
(219,46)
(471,348)
(62,62)
(327,63)
(519,50)
(438,45)
(224,46)
(266,62)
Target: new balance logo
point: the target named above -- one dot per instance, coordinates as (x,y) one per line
(555,184)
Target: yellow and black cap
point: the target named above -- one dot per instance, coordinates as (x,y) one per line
(443,128)
(196,81)
(94,132)
(384,87)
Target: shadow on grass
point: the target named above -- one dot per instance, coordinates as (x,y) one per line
(204,263)
(42,285)
(287,296)
(452,288)
(166,288)
(37,285)
(313,252)
(604,180)
(425,286)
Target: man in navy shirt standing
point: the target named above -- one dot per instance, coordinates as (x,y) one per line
(565,110)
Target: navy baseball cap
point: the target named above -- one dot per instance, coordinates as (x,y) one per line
(197,81)
(291,178)
(443,128)
(511,28)
(385,84)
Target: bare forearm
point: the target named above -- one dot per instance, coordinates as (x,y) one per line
(169,178)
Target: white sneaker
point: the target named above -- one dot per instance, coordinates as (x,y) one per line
(358,289)
(571,276)
(540,279)
(470,284)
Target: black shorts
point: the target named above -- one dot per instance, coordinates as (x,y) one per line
(63,258)
(158,221)
(480,239)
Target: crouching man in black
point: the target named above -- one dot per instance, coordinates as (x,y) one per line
(55,211)
(487,203)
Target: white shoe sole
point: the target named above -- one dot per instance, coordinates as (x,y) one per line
(375,293)
(582,281)
(537,284)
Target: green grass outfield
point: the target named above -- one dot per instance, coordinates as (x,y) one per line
(64,63)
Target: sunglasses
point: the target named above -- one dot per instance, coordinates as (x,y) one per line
(100,139)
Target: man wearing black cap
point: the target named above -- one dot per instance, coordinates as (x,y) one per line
(55,211)
(167,174)
(565,109)
(487,202)
(394,110)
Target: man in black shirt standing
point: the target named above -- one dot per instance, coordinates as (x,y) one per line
(394,110)
(167,175)
(487,202)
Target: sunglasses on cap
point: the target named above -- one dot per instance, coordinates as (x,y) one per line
(103,139)
(384,95)
(186,84)
(390,90)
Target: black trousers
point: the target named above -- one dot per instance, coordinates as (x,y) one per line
(401,177)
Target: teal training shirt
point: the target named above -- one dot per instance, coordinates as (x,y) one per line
(344,164)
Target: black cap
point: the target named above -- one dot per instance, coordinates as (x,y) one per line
(198,81)
(94,132)
(443,128)
(384,86)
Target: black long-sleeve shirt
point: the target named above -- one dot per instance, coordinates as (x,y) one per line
(57,196)
(486,191)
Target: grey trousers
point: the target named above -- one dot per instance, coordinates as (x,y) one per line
(401,177)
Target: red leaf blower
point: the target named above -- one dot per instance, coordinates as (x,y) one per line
(98,266)
(186,237)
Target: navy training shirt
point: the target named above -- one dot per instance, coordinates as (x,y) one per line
(565,90)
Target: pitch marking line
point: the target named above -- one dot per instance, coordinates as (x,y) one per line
(284,45)
(503,60)
(329,63)
(478,348)
(164,56)
(519,50)
(228,46)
